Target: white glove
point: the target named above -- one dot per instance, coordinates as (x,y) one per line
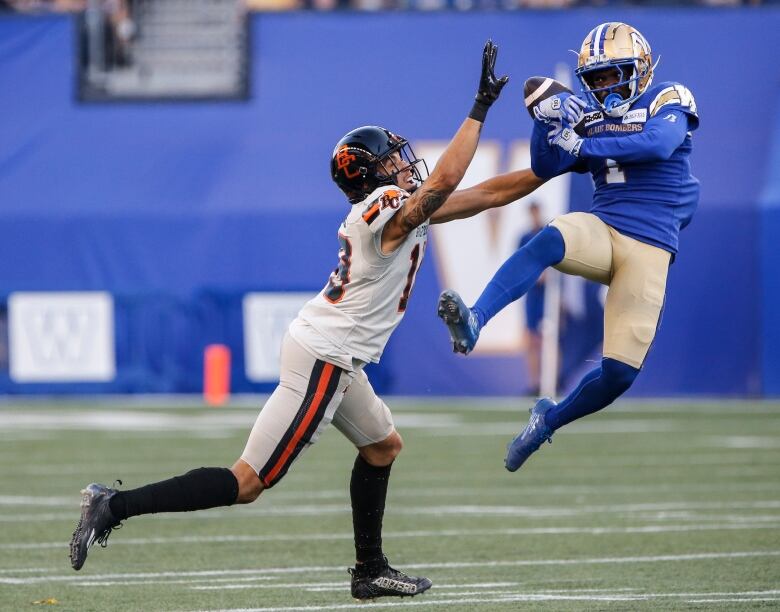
(566,138)
(564,107)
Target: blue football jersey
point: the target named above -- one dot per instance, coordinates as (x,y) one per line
(650,200)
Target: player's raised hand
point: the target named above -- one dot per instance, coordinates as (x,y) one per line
(489,86)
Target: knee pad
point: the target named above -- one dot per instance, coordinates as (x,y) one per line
(547,247)
(620,376)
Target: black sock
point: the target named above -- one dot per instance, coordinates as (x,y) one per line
(368,490)
(196,490)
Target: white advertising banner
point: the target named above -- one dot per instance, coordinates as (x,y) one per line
(266,318)
(61,337)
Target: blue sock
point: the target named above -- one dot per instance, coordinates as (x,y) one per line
(598,389)
(519,273)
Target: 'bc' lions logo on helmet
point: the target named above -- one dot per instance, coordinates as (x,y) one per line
(343,159)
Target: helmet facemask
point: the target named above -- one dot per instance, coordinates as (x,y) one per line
(616,102)
(617,46)
(393,165)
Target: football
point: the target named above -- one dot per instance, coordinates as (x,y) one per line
(539,88)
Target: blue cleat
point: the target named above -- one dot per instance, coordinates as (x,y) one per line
(531,438)
(460,320)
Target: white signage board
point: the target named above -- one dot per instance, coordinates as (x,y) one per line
(61,337)
(266,319)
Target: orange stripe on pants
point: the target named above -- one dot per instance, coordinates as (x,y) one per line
(319,394)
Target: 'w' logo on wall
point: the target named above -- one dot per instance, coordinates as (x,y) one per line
(59,335)
(469,251)
(56,337)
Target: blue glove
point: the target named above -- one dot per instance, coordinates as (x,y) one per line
(561,107)
(566,138)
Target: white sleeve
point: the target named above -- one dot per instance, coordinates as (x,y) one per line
(381,205)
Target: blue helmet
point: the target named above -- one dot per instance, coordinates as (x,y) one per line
(615,45)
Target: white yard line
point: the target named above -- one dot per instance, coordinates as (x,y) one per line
(87,582)
(223,422)
(340,586)
(272,508)
(513,598)
(138,467)
(734,600)
(509,531)
(71,578)
(649,511)
(253,401)
(122,420)
(38,500)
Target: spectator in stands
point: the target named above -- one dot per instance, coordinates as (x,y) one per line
(121,31)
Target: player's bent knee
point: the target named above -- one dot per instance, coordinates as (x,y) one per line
(548,246)
(249,484)
(383,453)
(620,375)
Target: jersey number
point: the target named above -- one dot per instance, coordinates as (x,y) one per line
(415,259)
(615,173)
(339,278)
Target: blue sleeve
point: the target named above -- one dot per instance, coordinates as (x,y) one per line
(548,161)
(661,136)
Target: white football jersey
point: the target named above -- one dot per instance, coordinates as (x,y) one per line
(366,295)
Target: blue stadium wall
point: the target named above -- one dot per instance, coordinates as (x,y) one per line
(177,209)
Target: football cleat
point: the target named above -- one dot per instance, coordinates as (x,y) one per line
(531,438)
(377,579)
(460,321)
(95,524)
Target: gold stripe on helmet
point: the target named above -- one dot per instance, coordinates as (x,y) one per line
(621,42)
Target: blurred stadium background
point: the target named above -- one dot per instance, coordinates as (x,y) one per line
(164,188)
(168,161)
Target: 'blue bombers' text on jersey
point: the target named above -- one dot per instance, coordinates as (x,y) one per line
(639,162)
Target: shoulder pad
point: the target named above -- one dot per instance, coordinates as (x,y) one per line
(383,198)
(674,94)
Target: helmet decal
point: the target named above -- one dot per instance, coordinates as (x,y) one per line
(343,159)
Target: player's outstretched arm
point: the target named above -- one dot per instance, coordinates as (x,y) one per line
(492,193)
(453,163)
(661,136)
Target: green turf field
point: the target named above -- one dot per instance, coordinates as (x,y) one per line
(645,506)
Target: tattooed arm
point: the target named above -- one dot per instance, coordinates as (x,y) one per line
(434,192)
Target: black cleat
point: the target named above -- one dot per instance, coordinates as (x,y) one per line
(377,579)
(95,524)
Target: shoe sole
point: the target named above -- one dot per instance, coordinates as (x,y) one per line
(449,312)
(448,309)
(76,563)
(518,466)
